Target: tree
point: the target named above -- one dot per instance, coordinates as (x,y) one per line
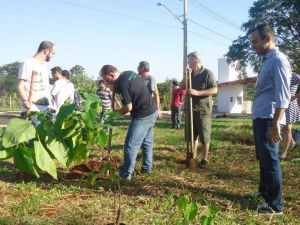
(284,16)
(81,80)
(77,70)
(164,90)
(8,78)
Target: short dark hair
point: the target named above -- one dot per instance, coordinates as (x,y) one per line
(56,69)
(263,29)
(101,81)
(66,74)
(107,69)
(145,65)
(175,83)
(45,45)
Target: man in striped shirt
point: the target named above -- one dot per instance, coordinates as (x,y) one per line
(105,94)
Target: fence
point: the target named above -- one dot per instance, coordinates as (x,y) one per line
(9,103)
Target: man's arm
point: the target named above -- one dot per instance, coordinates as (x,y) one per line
(274,132)
(21,94)
(157,101)
(206,92)
(124,109)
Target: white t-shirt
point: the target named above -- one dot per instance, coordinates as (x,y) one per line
(63,91)
(41,92)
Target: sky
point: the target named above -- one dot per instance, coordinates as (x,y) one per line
(93,33)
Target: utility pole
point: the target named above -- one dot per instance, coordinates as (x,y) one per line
(189,134)
(184,35)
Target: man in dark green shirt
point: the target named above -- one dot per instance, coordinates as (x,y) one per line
(204,86)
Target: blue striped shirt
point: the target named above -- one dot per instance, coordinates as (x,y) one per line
(273,85)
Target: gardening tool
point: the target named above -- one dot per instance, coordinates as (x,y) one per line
(189,128)
(110,130)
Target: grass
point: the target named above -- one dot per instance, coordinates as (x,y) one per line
(229,183)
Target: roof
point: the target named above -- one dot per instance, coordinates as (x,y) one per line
(250,80)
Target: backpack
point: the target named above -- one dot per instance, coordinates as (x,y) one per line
(77,100)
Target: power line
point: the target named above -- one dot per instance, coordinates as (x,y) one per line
(135,18)
(206,28)
(208,38)
(114,13)
(213,14)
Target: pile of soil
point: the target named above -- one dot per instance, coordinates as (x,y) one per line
(82,171)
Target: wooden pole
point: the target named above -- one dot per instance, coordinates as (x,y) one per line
(191,123)
(110,129)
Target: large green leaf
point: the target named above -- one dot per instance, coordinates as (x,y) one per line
(24,160)
(59,151)
(2,129)
(44,160)
(78,153)
(18,131)
(91,97)
(6,153)
(64,112)
(89,117)
(182,203)
(101,138)
(87,104)
(191,211)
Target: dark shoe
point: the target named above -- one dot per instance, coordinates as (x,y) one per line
(143,172)
(266,209)
(203,164)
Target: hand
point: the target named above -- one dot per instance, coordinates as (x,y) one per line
(192,92)
(274,133)
(159,115)
(188,70)
(27,104)
(294,97)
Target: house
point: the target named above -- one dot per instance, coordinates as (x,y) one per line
(231,90)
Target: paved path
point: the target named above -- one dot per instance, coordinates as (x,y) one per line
(6,116)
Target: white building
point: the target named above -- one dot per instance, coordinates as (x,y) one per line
(230,90)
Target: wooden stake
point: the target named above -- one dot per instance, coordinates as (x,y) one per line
(189,128)
(110,130)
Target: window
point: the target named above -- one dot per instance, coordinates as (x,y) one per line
(239,100)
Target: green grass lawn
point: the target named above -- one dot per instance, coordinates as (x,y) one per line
(229,184)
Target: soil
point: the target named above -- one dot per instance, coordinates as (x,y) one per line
(82,171)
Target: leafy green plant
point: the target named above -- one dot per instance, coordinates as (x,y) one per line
(210,214)
(187,209)
(66,139)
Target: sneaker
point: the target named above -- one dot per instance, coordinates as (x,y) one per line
(203,164)
(126,179)
(266,209)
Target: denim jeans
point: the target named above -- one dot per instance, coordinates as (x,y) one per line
(270,185)
(139,135)
(176,117)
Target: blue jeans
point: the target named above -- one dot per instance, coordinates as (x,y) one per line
(140,134)
(176,117)
(270,185)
